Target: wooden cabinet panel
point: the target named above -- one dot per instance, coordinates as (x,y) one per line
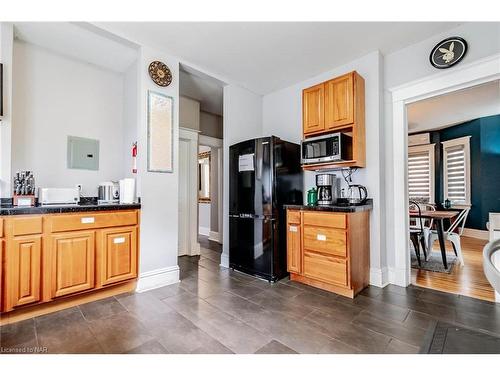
(23,271)
(73,262)
(313,109)
(325,268)
(91,220)
(1,227)
(325,219)
(293,216)
(325,240)
(118,255)
(26,225)
(339,101)
(294,248)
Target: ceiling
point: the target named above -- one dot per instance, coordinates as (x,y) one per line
(454,108)
(74,40)
(266,56)
(208,92)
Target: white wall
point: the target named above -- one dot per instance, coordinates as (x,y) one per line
(242,120)
(204,218)
(130,118)
(282,116)
(412,63)
(54,97)
(159,191)
(211,125)
(6,46)
(189,113)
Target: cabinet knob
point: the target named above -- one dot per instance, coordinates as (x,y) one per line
(321,237)
(119,240)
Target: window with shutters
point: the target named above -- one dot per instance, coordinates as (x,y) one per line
(421,173)
(456,171)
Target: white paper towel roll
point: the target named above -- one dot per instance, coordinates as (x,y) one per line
(127,190)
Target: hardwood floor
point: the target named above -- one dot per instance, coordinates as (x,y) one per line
(468,280)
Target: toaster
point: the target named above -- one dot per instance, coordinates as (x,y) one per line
(58,196)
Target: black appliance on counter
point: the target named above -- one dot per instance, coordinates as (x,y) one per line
(264,175)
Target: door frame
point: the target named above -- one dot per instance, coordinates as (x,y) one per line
(191,136)
(468,75)
(217,143)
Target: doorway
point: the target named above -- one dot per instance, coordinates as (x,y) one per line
(474,74)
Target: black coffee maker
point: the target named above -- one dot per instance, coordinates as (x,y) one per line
(327,189)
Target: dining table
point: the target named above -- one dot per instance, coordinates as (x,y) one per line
(439,217)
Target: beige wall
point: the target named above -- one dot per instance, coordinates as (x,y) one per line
(189,113)
(211,124)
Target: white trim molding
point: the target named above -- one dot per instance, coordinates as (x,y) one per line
(476,233)
(214,236)
(379,277)
(157,278)
(204,231)
(224,260)
(443,82)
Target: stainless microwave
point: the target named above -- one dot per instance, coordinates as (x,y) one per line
(326,148)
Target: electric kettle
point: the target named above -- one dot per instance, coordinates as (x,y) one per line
(356,195)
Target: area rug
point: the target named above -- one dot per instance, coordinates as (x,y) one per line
(435,263)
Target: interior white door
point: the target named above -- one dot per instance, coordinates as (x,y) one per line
(184,150)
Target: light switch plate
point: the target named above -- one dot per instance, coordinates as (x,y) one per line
(83,153)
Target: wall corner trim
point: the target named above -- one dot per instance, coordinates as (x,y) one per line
(214,236)
(157,278)
(379,277)
(224,260)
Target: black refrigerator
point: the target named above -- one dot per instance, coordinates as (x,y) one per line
(264,175)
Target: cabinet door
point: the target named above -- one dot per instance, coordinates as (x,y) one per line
(339,101)
(118,254)
(73,262)
(325,268)
(313,109)
(294,253)
(23,270)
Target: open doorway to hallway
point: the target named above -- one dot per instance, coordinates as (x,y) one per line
(453,179)
(200,160)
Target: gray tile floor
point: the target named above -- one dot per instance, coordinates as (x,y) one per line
(216,310)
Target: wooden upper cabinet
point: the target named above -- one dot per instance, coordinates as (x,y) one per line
(339,101)
(23,271)
(118,255)
(72,262)
(313,101)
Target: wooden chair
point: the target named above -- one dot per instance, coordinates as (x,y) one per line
(417,235)
(451,236)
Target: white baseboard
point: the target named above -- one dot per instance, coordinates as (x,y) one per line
(477,233)
(397,277)
(224,260)
(214,236)
(379,277)
(157,278)
(204,231)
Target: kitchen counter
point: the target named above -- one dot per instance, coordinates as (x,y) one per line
(366,207)
(88,205)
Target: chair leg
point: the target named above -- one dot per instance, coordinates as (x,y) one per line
(424,245)
(430,244)
(457,247)
(414,240)
(454,248)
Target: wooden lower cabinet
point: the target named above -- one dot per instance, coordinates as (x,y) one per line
(329,250)
(72,262)
(118,255)
(23,261)
(47,258)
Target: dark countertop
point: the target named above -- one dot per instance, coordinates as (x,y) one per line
(9,209)
(366,207)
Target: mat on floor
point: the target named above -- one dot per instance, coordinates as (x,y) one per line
(435,262)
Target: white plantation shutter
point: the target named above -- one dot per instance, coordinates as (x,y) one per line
(421,173)
(456,171)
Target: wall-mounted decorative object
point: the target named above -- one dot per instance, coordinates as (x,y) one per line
(204,177)
(1,89)
(160,73)
(160,132)
(448,52)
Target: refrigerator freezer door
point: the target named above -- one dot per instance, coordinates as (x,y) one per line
(251,246)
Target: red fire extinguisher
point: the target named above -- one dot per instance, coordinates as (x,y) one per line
(134,157)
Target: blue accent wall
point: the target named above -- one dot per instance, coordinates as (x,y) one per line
(485,166)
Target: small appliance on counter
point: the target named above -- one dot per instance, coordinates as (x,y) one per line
(24,189)
(312,197)
(326,148)
(108,192)
(356,196)
(58,196)
(328,189)
(127,190)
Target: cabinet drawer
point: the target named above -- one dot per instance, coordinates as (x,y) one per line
(323,219)
(27,225)
(325,268)
(293,217)
(325,240)
(91,220)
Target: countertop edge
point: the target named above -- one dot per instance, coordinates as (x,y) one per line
(41,210)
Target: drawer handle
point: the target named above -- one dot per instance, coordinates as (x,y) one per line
(293,228)
(119,240)
(321,237)
(88,220)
